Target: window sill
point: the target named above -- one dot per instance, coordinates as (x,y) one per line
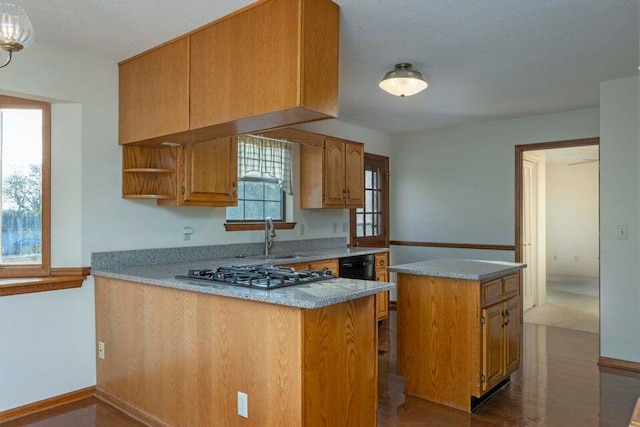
(247,226)
(62,278)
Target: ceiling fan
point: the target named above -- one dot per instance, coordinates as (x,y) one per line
(584,161)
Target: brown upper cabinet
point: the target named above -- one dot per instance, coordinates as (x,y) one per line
(197,174)
(332,174)
(331,169)
(271,64)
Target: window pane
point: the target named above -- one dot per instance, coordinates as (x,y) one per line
(359,225)
(236,212)
(368,203)
(274,210)
(21,140)
(368,178)
(272,191)
(368,225)
(253,210)
(241,190)
(254,190)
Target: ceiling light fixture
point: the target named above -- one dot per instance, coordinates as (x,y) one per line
(16,30)
(403,81)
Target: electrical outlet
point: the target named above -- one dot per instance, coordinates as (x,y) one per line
(302,229)
(345,227)
(622,232)
(243,404)
(187,232)
(335,227)
(101,349)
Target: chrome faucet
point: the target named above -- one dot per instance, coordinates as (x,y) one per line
(269,234)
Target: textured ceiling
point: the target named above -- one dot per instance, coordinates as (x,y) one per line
(484,60)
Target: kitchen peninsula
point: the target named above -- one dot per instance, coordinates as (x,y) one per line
(179,352)
(459,328)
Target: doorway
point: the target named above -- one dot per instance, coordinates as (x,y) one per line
(557,232)
(369,226)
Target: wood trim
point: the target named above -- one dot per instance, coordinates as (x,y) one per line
(27,285)
(382,162)
(490,247)
(627,365)
(246,226)
(130,410)
(70,271)
(519,153)
(46,404)
(295,135)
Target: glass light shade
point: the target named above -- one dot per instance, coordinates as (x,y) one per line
(16,30)
(403,81)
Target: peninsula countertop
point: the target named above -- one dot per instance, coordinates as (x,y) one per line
(310,295)
(470,269)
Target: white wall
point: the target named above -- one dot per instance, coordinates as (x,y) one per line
(620,205)
(572,196)
(456,184)
(47,339)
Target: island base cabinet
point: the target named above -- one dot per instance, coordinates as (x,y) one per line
(457,338)
(179,358)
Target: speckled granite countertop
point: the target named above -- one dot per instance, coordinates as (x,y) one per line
(459,268)
(311,295)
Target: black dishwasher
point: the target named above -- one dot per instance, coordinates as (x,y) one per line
(358,267)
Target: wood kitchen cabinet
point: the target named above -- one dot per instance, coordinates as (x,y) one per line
(458,339)
(271,64)
(178,358)
(382,299)
(154,93)
(198,174)
(330,264)
(332,174)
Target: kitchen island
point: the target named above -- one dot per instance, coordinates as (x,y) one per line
(459,328)
(179,352)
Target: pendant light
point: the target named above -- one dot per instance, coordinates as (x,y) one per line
(16,30)
(403,81)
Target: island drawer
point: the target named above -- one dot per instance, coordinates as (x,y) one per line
(511,284)
(491,291)
(498,289)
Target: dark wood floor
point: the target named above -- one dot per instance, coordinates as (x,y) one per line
(559,384)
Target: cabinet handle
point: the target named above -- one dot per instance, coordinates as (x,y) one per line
(348,194)
(235,189)
(507,317)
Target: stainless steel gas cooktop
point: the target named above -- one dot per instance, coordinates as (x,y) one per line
(258,276)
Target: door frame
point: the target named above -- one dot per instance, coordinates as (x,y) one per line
(519,152)
(383,162)
(535,241)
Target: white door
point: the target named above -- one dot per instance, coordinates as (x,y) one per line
(529,232)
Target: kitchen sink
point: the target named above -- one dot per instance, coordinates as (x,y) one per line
(282,256)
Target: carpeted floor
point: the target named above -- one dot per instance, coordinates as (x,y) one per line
(572,303)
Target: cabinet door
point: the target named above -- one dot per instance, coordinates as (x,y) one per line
(492,346)
(334,175)
(246,65)
(512,334)
(154,93)
(354,175)
(210,173)
(382,299)
(382,305)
